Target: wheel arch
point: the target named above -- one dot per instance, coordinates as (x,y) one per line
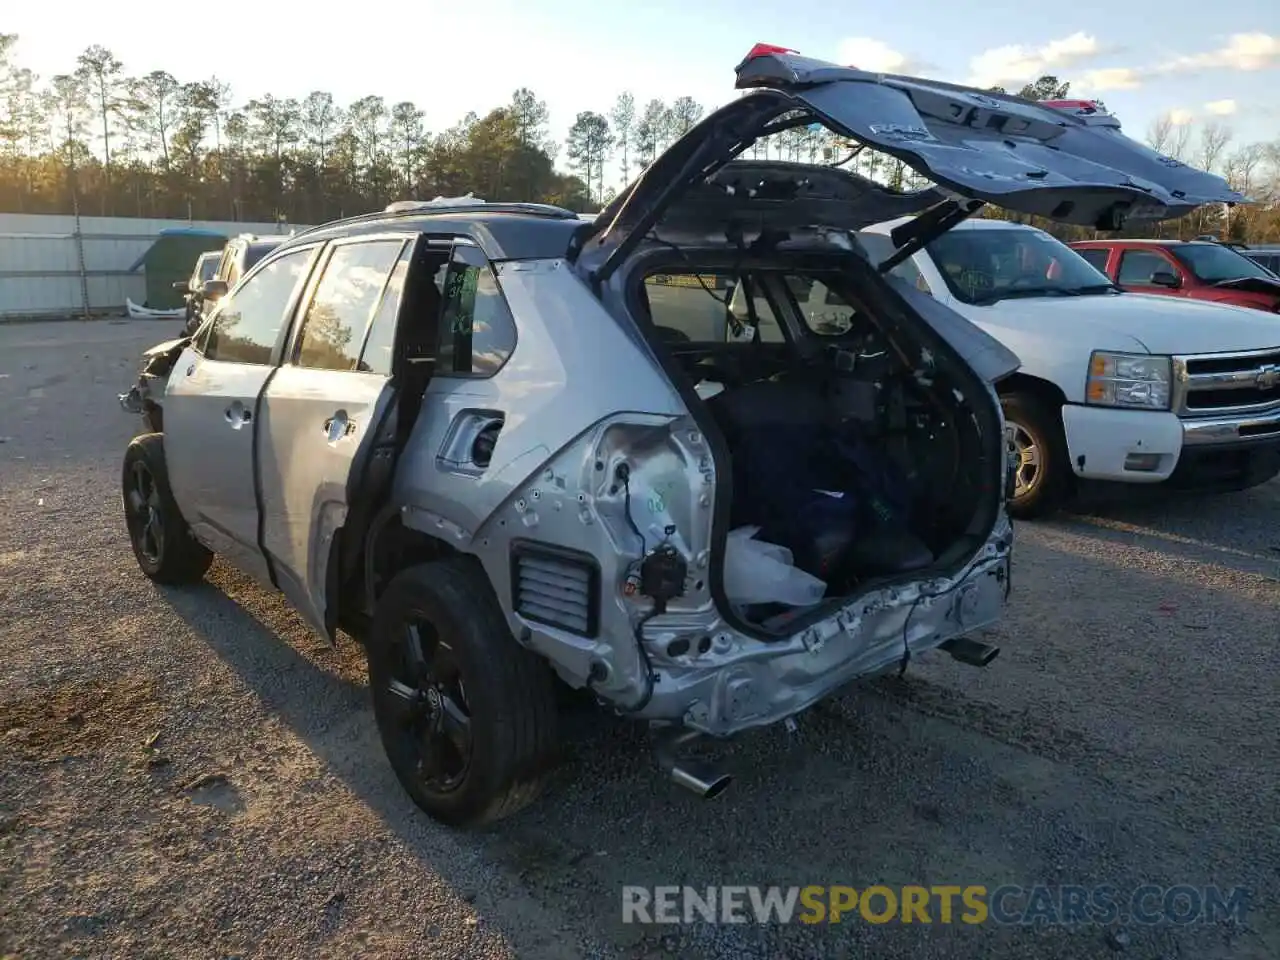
(1025,383)
(389,546)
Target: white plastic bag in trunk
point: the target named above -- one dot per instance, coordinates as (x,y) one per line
(759,572)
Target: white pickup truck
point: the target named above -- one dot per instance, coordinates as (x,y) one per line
(1113,386)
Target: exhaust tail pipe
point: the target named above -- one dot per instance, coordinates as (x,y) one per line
(970,651)
(700,778)
(693,775)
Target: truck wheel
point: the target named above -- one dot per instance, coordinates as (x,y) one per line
(162,541)
(1042,473)
(466,715)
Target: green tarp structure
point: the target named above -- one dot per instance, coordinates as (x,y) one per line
(172,257)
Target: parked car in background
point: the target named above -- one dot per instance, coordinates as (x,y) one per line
(1267,257)
(238,257)
(1193,269)
(205,269)
(1113,386)
(464,434)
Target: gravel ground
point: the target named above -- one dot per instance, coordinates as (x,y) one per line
(191,773)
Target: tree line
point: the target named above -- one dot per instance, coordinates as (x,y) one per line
(103,141)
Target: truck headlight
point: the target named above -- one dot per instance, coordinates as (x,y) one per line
(1129,380)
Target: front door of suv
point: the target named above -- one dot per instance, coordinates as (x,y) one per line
(324,413)
(211,406)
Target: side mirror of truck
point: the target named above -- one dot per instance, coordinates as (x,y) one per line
(1166,278)
(213,289)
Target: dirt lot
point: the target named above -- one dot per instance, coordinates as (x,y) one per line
(192,774)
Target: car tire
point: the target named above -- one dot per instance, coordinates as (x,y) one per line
(1043,474)
(162,542)
(466,715)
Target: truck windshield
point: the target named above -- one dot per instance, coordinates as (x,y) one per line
(982,266)
(1213,263)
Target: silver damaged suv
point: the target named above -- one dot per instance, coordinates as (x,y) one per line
(697,456)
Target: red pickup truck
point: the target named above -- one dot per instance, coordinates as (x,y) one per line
(1199,269)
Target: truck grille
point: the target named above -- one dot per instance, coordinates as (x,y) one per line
(1226,383)
(555,586)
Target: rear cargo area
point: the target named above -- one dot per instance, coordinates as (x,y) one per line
(857,456)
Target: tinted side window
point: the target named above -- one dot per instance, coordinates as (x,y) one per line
(254,252)
(477,331)
(378,347)
(248,322)
(1138,266)
(338,315)
(712,307)
(1096,258)
(687,306)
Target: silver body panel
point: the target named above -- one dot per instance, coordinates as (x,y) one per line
(312,427)
(579,396)
(209,451)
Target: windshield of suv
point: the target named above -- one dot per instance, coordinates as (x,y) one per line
(1213,263)
(982,266)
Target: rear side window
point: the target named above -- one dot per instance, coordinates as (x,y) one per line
(254,252)
(1138,267)
(380,343)
(339,313)
(477,331)
(1095,257)
(248,320)
(692,307)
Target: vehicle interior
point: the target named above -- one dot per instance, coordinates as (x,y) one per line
(852,443)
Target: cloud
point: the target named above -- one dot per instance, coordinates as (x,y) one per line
(1247,52)
(1180,118)
(874,55)
(1011,66)
(1107,78)
(1221,108)
(1014,65)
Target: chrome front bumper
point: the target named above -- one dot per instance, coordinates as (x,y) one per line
(1236,428)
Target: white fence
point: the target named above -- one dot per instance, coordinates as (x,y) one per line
(49,268)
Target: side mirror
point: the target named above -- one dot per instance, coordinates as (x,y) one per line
(1166,278)
(214,289)
(181,286)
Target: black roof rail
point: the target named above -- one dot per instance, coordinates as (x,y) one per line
(429,209)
